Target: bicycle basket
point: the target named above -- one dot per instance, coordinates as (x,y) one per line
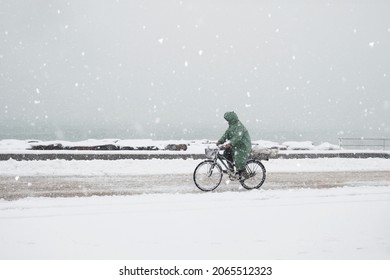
(210,153)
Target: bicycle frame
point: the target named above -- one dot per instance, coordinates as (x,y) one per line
(225,164)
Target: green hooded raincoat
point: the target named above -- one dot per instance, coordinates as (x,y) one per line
(239,139)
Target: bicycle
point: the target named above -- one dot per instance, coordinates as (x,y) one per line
(208,174)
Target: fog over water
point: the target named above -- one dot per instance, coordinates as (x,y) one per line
(292,70)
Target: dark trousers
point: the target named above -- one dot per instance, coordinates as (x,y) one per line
(228,154)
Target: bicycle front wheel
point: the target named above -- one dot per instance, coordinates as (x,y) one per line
(207,175)
(256,173)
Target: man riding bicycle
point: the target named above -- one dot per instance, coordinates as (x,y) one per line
(238,147)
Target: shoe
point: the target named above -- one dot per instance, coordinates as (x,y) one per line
(242,175)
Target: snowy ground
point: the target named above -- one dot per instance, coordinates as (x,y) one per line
(308,219)
(337,223)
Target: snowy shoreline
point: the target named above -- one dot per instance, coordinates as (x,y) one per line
(113,149)
(191,146)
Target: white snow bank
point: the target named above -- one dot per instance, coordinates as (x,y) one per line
(194,146)
(307,145)
(176,166)
(327,165)
(338,223)
(11,145)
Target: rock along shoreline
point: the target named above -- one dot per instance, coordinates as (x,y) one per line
(146,155)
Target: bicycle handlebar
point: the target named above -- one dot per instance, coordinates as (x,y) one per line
(223,146)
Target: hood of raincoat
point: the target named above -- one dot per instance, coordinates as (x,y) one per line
(231,118)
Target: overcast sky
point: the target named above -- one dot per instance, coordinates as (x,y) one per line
(171,69)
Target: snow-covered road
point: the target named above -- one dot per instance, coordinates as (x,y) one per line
(61,178)
(12,188)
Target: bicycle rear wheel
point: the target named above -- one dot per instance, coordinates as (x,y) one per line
(207,175)
(256,172)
